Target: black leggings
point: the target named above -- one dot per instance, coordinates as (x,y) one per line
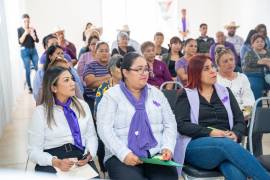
(119,171)
(62,152)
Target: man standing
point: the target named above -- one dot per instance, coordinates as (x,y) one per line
(27,37)
(204,42)
(184,27)
(236,40)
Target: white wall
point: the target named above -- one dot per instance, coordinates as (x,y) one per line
(70,14)
(217,13)
(143,17)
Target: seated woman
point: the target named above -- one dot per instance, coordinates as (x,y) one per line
(211,128)
(236,81)
(88,56)
(159,72)
(85,49)
(54,52)
(95,73)
(256,61)
(173,55)
(114,70)
(190,49)
(61,127)
(47,42)
(122,41)
(135,120)
(247,45)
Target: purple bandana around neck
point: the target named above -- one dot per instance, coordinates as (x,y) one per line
(72,122)
(140,135)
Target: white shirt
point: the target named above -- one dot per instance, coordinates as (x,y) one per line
(41,137)
(114,115)
(240,88)
(237,41)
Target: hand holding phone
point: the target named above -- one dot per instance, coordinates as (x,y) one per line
(85,159)
(85,156)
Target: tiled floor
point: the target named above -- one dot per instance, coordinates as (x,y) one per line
(13,142)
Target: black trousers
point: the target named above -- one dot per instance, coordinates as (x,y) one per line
(90,102)
(62,152)
(119,171)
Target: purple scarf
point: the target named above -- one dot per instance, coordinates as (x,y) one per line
(72,122)
(140,135)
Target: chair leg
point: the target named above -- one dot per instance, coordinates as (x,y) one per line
(26,164)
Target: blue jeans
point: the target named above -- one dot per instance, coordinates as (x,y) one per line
(28,55)
(257,83)
(232,159)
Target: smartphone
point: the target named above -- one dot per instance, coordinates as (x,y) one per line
(84,156)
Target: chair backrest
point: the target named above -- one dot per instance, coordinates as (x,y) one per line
(171,95)
(176,83)
(260,122)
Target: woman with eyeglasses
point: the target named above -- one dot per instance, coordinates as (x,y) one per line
(54,53)
(61,131)
(211,125)
(95,73)
(134,120)
(87,57)
(159,70)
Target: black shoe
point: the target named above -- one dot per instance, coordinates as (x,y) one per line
(30,90)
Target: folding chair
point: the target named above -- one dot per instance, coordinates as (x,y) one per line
(260,124)
(188,171)
(171,94)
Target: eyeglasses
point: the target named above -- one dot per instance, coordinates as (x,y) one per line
(221,49)
(141,70)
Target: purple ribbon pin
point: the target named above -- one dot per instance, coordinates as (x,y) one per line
(225,99)
(156,103)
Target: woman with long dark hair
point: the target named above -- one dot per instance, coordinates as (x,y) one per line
(173,55)
(54,53)
(62,126)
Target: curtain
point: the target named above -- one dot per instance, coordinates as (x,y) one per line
(11,69)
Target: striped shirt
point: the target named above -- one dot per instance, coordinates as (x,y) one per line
(96,69)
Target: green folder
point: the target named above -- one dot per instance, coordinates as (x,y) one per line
(158,160)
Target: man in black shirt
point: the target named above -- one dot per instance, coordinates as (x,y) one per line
(27,37)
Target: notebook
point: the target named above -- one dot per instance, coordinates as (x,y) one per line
(85,171)
(158,161)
